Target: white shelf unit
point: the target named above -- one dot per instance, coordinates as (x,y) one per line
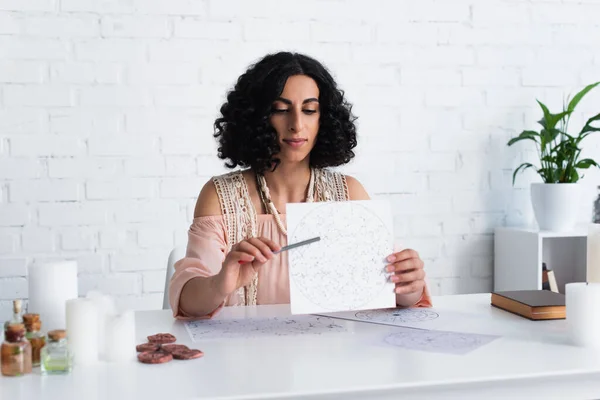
(520,252)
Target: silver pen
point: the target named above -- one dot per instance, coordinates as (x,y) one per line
(297,244)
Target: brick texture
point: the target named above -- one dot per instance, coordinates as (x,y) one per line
(106,112)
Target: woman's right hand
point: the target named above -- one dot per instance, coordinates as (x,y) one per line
(242,263)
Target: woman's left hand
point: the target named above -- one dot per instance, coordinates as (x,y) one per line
(406,271)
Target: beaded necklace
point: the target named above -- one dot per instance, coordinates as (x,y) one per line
(265,197)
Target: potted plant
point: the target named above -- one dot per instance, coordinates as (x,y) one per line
(555,199)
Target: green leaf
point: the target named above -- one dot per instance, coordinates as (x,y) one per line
(565,148)
(586,163)
(550,120)
(546,174)
(544,108)
(531,135)
(554,118)
(589,130)
(574,176)
(573,103)
(545,136)
(588,125)
(549,159)
(570,138)
(548,135)
(521,167)
(558,175)
(544,121)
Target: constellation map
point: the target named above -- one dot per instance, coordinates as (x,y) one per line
(419,318)
(257,327)
(438,341)
(397,316)
(345,269)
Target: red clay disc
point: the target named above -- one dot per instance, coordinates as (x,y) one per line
(162,338)
(154,357)
(187,354)
(170,348)
(147,347)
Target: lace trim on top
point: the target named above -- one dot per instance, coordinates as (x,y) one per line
(331,186)
(240,218)
(240,215)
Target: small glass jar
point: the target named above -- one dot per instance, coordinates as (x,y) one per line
(15,352)
(35,337)
(56,359)
(16,318)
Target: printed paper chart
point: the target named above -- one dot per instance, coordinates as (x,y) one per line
(398,316)
(420,318)
(459,343)
(260,327)
(345,270)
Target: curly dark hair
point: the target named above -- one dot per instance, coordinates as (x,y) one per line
(245,135)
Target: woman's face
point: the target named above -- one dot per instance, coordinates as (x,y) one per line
(295,117)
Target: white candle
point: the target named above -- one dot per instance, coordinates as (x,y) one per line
(50,286)
(105,306)
(593,253)
(82,331)
(120,337)
(583,319)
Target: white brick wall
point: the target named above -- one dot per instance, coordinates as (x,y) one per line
(106,112)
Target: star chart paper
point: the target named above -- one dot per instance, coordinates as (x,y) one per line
(261,327)
(421,318)
(345,270)
(428,318)
(458,343)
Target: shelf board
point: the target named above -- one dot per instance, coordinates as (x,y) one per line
(579,231)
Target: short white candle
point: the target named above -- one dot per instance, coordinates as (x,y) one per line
(82,331)
(583,319)
(120,337)
(105,306)
(593,253)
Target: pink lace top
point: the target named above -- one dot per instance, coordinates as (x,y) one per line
(211,237)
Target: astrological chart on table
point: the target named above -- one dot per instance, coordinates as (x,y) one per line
(345,270)
(459,343)
(398,316)
(419,318)
(261,327)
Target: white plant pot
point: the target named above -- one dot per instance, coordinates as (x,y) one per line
(555,205)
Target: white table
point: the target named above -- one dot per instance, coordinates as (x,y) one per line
(531,360)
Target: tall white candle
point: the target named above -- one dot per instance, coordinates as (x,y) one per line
(120,337)
(82,331)
(50,286)
(583,318)
(593,253)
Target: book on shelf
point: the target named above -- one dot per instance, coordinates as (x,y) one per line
(548,279)
(532,304)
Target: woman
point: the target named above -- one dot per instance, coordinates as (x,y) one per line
(284,123)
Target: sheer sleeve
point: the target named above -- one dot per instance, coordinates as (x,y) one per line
(205,253)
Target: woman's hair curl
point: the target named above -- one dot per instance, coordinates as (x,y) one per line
(244,133)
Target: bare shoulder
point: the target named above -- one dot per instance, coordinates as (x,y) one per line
(208,201)
(356,191)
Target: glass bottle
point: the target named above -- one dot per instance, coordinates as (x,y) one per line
(16,318)
(15,352)
(35,337)
(56,357)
